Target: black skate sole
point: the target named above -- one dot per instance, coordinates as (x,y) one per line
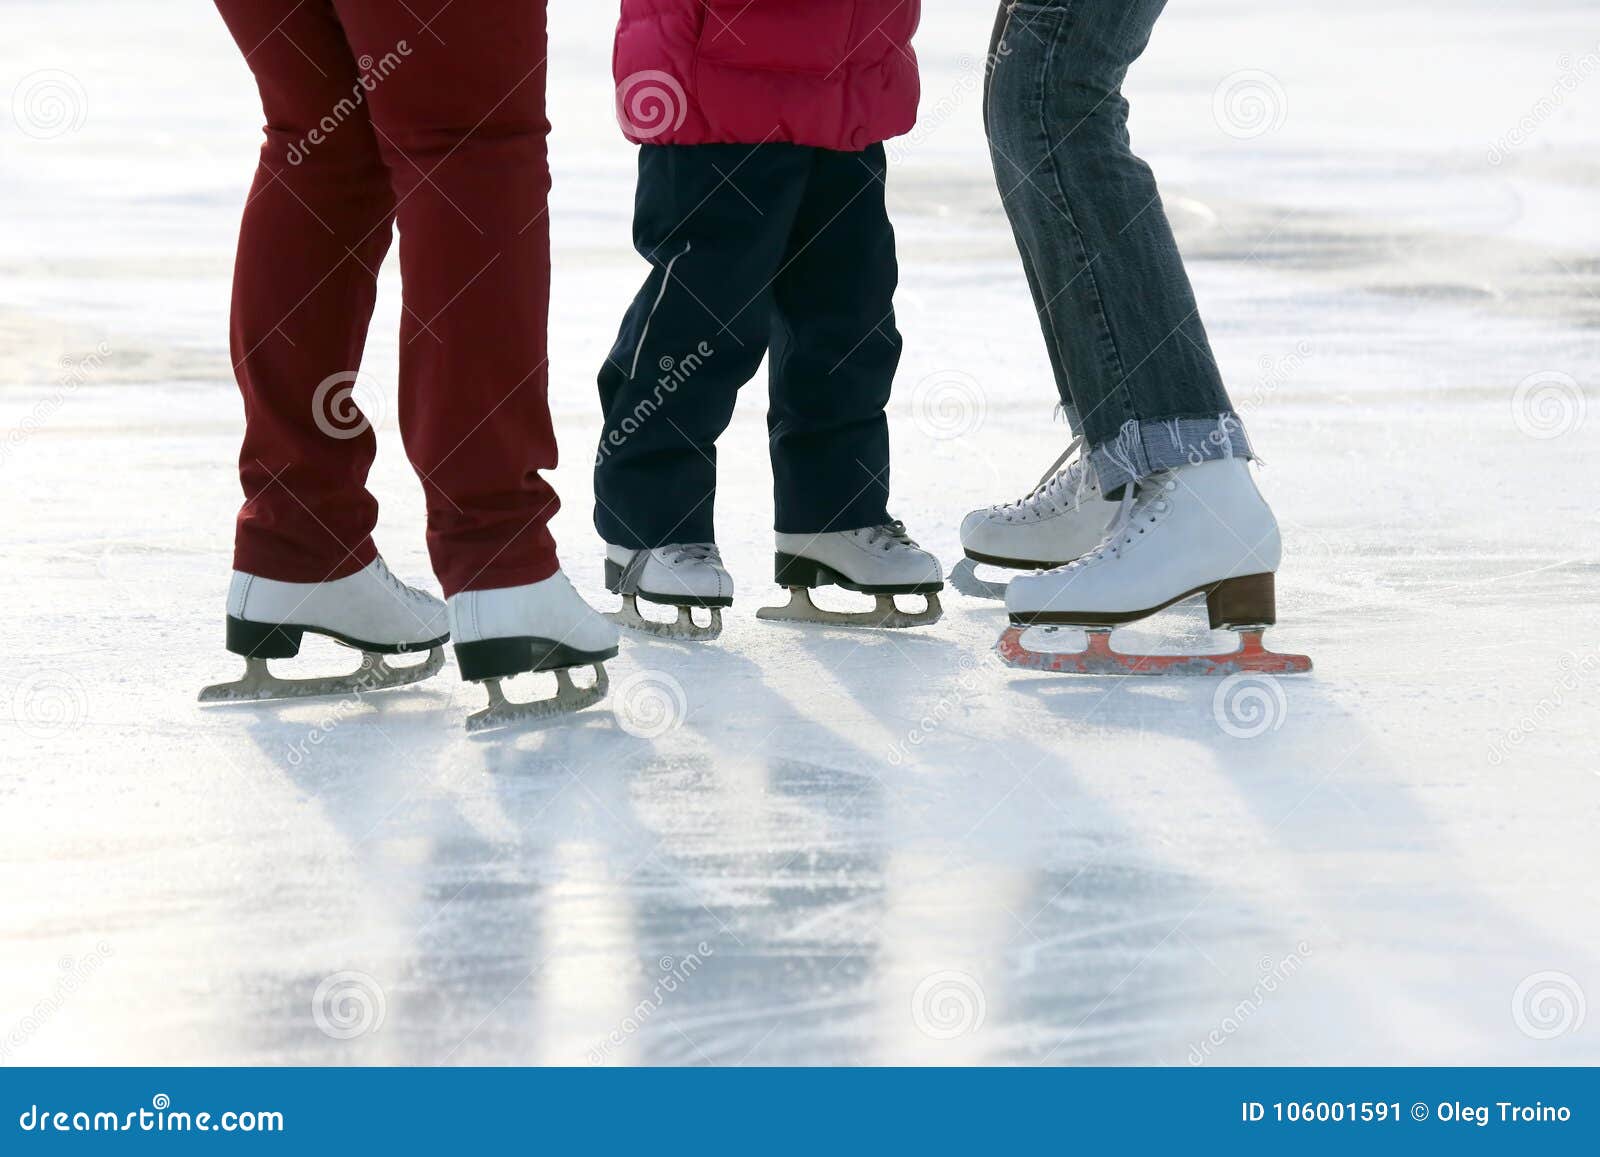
(614,581)
(515,655)
(793,570)
(1016,563)
(255,640)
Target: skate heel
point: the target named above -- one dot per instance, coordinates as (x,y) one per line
(1250,601)
(494,659)
(792,570)
(263,640)
(502,658)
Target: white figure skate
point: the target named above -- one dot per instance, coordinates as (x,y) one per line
(543,626)
(875,560)
(1194,530)
(684,576)
(371,611)
(1062,518)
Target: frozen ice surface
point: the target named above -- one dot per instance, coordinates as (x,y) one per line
(845,848)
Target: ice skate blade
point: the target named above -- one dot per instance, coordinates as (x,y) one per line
(1099,659)
(800,609)
(683,629)
(374,674)
(964,577)
(569,698)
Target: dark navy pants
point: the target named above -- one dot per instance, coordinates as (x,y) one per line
(772,250)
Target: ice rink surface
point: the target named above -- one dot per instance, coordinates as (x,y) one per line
(804,845)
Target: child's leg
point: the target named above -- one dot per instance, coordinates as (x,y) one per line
(835,349)
(714,221)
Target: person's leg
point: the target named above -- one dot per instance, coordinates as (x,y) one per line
(315,230)
(835,350)
(714,221)
(1132,357)
(457,102)
(998,50)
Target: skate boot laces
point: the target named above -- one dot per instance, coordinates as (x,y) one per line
(692,552)
(1144,504)
(408,594)
(1062,489)
(888,536)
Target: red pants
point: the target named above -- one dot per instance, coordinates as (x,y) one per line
(429,113)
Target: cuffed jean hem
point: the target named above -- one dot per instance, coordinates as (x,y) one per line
(1140,449)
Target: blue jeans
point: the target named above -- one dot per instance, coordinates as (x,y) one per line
(1131,359)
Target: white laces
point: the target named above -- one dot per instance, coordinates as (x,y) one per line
(1060,490)
(409,593)
(1143,505)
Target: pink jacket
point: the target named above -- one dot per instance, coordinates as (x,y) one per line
(837,74)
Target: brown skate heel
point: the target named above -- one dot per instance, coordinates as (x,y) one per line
(1250,601)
